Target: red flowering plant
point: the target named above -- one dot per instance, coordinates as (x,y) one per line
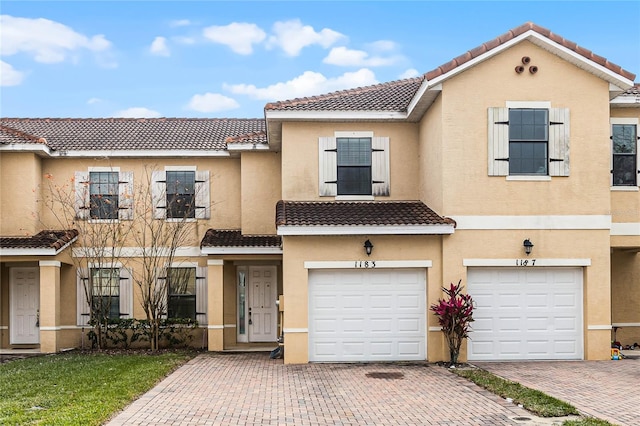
(455,314)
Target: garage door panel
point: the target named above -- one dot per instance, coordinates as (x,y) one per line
(526,313)
(380,315)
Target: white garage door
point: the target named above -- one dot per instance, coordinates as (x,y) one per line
(367,315)
(526,313)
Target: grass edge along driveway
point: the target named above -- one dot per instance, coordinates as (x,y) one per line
(79,388)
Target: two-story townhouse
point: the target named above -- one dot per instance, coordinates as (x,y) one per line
(513,168)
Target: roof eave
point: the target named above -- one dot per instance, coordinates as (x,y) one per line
(241,250)
(336,115)
(440,229)
(37,251)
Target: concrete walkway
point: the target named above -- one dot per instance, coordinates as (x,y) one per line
(609,390)
(229,389)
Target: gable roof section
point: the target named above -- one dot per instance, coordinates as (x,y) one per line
(126,136)
(248,141)
(403,100)
(231,241)
(359,217)
(47,242)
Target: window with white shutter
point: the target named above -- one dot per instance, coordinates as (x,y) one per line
(104,194)
(353,166)
(108,290)
(528,142)
(181,193)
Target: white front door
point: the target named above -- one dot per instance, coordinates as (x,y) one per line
(263,313)
(25,303)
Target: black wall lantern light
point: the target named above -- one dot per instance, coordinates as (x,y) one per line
(528,246)
(368,247)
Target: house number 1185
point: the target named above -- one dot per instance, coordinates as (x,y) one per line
(525,262)
(365,263)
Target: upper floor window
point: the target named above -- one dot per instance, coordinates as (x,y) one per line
(181,193)
(625,154)
(104,193)
(530,139)
(353,164)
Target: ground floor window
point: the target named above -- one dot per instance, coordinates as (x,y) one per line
(105,292)
(181,286)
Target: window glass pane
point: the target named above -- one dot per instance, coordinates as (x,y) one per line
(354,180)
(528,158)
(181,284)
(528,124)
(181,194)
(624,170)
(354,151)
(624,139)
(242,294)
(103,191)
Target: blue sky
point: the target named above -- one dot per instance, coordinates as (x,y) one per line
(228,59)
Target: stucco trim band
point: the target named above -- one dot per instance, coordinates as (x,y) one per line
(517,262)
(372,264)
(533,222)
(629,228)
(296,330)
(599,327)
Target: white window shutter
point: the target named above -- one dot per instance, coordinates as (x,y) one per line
(559,125)
(158,194)
(380,166)
(203,198)
(83,293)
(327,167)
(498,141)
(201,294)
(82,195)
(125,196)
(126,294)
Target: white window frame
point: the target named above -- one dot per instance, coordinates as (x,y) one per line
(201,289)
(632,121)
(558,141)
(125,291)
(202,193)
(328,168)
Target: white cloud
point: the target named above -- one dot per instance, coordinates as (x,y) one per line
(93,101)
(238,36)
(137,112)
(180,23)
(9,76)
(307,84)
(410,73)
(48,41)
(383,45)
(183,40)
(357,58)
(291,36)
(212,102)
(159,47)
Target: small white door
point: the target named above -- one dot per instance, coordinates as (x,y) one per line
(263,311)
(25,304)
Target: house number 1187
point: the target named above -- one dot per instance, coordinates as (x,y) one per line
(525,262)
(365,263)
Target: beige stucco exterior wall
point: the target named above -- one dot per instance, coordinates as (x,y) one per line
(20,174)
(300,157)
(261,190)
(465,99)
(431,161)
(346,248)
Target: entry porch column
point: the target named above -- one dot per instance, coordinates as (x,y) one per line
(215,304)
(49,305)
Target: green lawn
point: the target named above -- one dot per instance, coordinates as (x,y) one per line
(78,389)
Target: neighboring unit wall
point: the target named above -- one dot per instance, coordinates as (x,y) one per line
(20,177)
(625,295)
(261,189)
(300,157)
(431,161)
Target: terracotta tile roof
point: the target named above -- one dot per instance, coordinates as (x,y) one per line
(254,137)
(234,238)
(54,239)
(396,95)
(391,96)
(357,213)
(632,91)
(71,134)
(511,34)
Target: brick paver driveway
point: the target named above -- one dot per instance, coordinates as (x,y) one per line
(609,390)
(252,389)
